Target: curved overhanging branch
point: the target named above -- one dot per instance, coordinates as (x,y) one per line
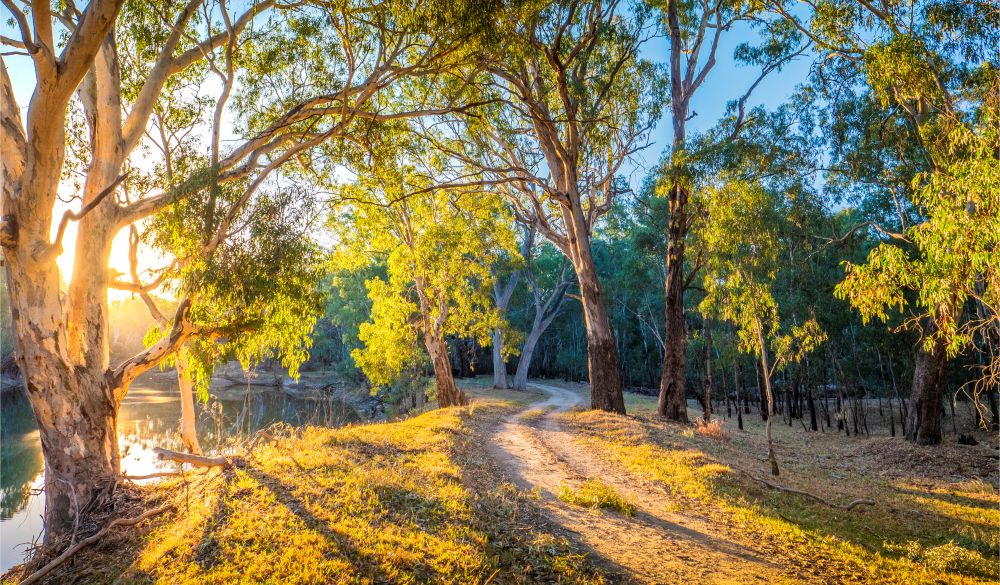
(181,330)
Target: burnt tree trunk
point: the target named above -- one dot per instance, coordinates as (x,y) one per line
(672,402)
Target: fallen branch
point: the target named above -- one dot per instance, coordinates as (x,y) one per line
(774,486)
(34,577)
(196,460)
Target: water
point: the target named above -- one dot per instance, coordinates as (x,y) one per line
(149,418)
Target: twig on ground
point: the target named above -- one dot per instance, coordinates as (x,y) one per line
(149,476)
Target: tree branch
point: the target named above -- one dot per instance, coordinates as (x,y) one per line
(55,248)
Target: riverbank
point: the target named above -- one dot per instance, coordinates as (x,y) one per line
(523,488)
(409,501)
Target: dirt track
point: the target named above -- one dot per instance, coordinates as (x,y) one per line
(654,546)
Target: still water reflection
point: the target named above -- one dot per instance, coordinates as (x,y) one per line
(148,418)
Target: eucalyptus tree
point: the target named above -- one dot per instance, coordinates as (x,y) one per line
(122,87)
(440,247)
(743,247)
(919,82)
(569,100)
(694,30)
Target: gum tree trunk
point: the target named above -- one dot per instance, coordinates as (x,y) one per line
(602,352)
(924,424)
(448,393)
(185,381)
(499,364)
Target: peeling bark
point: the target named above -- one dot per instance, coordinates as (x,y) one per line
(448,393)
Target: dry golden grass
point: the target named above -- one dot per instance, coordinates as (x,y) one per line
(714,429)
(379,503)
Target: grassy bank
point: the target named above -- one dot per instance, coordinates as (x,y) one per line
(403,502)
(928,526)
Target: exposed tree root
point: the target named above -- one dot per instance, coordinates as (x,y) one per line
(69,552)
(150,476)
(774,486)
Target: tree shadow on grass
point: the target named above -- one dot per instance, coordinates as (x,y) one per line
(341,544)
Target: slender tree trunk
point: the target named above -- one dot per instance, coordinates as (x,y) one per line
(189,434)
(813,422)
(739,407)
(524,362)
(924,425)
(708,371)
(765,366)
(499,364)
(448,393)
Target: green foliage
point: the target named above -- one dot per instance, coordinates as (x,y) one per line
(741,241)
(955,249)
(438,247)
(257,295)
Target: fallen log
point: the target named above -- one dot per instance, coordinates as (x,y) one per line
(196,460)
(774,486)
(66,554)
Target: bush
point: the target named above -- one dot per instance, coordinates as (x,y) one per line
(948,558)
(714,429)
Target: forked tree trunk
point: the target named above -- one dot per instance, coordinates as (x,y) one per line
(448,393)
(924,425)
(524,362)
(766,367)
(185,381)
(74,401)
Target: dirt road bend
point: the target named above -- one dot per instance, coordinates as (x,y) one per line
(656,545)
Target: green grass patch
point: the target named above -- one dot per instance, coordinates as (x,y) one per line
(595,494)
